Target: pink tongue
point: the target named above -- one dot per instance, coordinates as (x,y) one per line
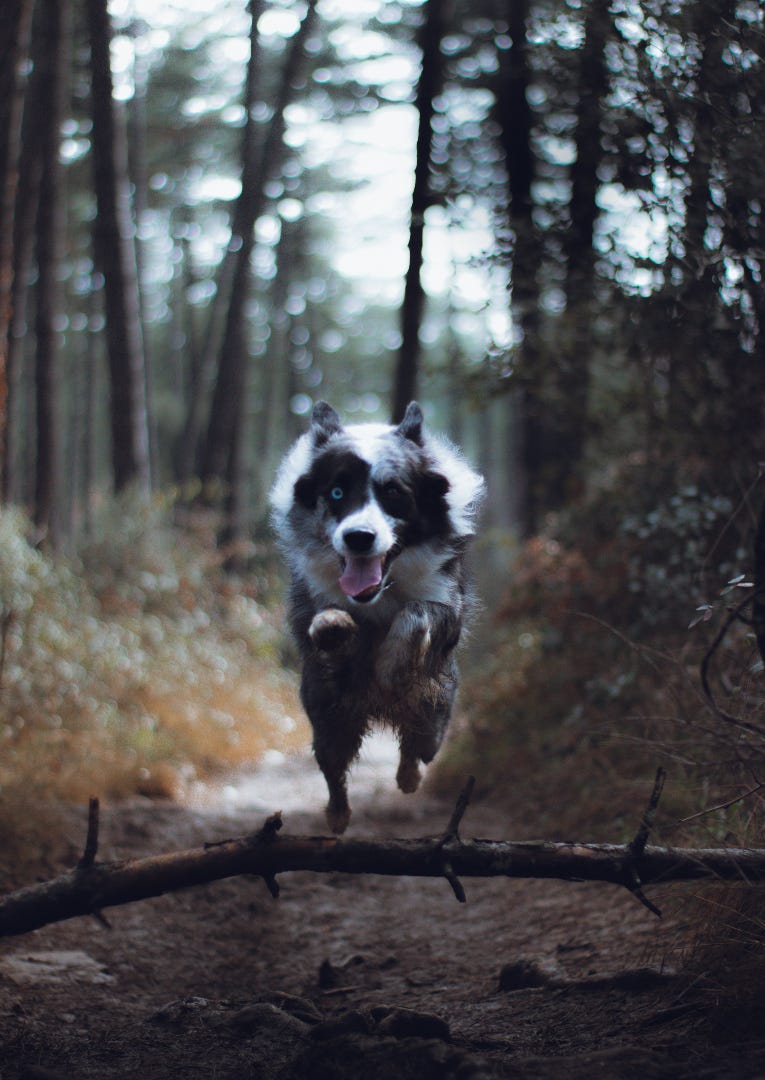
(361,573)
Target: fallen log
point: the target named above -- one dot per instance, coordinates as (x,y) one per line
(93,885)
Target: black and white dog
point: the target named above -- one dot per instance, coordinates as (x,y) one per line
(374,521)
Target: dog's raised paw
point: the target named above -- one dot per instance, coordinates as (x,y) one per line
(331,629)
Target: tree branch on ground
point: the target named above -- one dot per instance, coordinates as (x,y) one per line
(93,885)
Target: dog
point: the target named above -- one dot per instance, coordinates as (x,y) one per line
(374,521)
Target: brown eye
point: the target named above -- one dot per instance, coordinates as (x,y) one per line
(394,499)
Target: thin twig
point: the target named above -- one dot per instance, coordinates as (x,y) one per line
(637,847)
(91,841)
(724,805)
(266,835)
(452,835)
(728,718)
(452,829)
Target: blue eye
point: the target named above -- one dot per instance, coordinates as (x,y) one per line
(336,493)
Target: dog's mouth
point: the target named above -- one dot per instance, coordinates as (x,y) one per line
(363,576)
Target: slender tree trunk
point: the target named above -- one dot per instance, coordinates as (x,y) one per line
(407,367)
(569,430)
(15,25)
(229,395)
(138,173)
(115,258)
(190,454)
(516,123)
(52,60)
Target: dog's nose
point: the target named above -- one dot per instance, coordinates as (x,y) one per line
(359,541)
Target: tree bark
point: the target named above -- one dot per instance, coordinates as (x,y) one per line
(758,600)
(429,83)
(115,258)
(568,434)
(15,25)
(94,886)
(52,59)
(516,122)
(225,424)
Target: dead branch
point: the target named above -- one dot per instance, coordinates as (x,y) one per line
(89,888)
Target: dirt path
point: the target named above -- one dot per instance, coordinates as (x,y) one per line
(356,977)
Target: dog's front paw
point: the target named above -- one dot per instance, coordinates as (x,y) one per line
(338,817)
(405,649)
(332,629)
(408,775)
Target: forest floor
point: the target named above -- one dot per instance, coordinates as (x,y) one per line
(354,976)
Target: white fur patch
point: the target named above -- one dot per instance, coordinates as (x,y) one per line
(466,486)
(296,464)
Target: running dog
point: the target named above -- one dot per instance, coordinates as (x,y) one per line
(374,521)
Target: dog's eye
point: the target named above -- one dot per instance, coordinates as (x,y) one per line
(394,499)
(336,494)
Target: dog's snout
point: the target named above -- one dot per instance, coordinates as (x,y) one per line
(359,541)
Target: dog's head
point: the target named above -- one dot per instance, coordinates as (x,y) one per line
(350,500)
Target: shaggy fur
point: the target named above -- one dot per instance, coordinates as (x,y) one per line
(374,521)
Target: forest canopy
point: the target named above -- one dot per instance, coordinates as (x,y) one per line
(545,219)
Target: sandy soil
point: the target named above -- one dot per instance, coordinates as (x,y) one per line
(357,977)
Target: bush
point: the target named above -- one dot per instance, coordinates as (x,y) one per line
(591,676)
(136,667)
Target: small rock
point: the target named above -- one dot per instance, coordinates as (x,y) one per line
(329,975)
(253,1018)
(350,1022)
(522,975)
(179,1011)
(296,1006)
(403,1023)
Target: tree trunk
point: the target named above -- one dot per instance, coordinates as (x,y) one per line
(407,366)
(516,123)
(15,25)
(138,175)
(568,433)
(52,61)
(229,397)
(115,258)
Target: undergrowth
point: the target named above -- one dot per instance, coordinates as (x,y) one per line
(622,642)
(136,667)
(590,677)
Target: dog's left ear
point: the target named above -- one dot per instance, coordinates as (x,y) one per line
(324,422)
(411,426)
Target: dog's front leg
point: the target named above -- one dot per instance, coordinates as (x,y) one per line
(415,664)
(421,636)
(333,634)
(328,695)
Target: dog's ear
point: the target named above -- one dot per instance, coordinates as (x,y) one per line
(324,422)
(411,426)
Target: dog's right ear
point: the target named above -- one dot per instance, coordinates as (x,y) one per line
(324,423)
